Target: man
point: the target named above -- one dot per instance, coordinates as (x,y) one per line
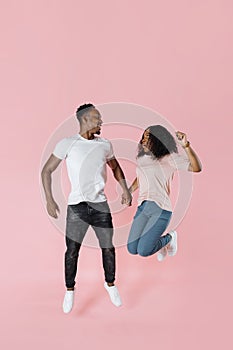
(86,158)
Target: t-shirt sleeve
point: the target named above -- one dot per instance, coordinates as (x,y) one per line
(180,161)
(110,154)
(61,148)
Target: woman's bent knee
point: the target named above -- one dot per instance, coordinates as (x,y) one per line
(144,252)
(131,249)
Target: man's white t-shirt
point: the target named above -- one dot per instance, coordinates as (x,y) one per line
(86,166)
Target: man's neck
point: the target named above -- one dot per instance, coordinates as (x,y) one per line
(87,134)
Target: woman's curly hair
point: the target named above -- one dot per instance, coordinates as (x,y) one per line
(161,142)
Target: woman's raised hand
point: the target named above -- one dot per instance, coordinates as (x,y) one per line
(182,138)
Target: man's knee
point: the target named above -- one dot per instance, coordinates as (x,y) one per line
(73,248)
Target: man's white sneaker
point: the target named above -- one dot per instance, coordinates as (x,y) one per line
(172,245)
(161,255)
(68,301)
(114,294)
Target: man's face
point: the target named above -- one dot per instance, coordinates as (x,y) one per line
(94,121)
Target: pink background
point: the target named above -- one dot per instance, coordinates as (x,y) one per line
(172,56)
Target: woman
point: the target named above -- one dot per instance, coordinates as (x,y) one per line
(157,160)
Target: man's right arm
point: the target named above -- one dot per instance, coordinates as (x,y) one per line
(49,167)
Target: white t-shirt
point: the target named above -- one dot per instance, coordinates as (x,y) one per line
(86,166)
(155,176)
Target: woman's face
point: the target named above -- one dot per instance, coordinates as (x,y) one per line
(145,140)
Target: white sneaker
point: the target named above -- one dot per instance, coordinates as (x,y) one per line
(114,294)
(68,301)
(161,255)
(172,245)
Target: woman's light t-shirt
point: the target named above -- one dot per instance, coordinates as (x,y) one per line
(86,166)
(155,176)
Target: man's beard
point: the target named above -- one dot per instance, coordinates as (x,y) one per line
(94,131)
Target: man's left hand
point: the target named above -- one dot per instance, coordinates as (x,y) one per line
(126,198)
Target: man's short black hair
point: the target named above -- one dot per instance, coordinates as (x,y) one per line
(83,109)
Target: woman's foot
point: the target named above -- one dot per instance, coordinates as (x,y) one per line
(162,253)
(172,245)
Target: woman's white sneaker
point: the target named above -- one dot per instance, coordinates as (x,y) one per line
(162,253)
(172,245)
(68,301)
(113,294)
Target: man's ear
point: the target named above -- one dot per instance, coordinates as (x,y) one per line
(85,119)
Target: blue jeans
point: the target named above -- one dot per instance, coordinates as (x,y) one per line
(149,223)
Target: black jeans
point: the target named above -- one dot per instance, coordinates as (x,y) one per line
(79,218)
